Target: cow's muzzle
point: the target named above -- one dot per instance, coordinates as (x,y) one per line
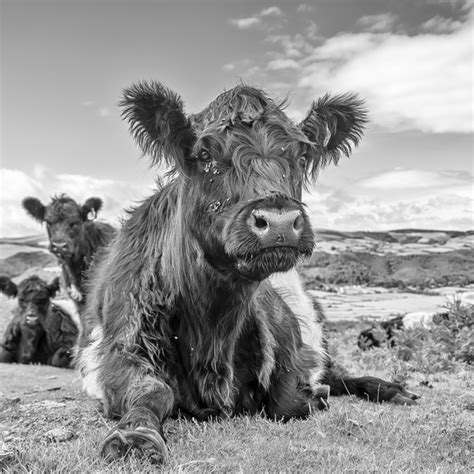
(276,227)
(268,235)
(60,249)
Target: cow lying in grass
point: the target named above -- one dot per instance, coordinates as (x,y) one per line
(196,307)
(74,236)
(385,331)
(41,331)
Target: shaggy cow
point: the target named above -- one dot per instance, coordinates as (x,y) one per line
(74,237)
(385,331)
(197,307)
(40,331)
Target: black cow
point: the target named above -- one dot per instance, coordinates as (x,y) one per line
(41,331)
(197,308)
(74,236)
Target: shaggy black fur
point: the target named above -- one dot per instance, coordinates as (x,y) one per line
(186,317)
(40,332)
(74,237)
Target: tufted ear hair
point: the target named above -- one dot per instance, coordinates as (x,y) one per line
(7,287)
(335,125)
(35,208)
(53,287)
(158,123)
(92,205)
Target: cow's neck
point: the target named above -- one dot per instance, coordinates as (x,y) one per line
(210,320)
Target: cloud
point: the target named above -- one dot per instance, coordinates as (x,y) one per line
(304,8)
(265,19)
(228,67)
(421,82)
(427,199)
(17,184)
(295,46)
(378,23)
(245,23)
(278,64)
(271,11)
(415,179)
(440,25)
(392,199)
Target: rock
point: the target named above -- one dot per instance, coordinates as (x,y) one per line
(59,434)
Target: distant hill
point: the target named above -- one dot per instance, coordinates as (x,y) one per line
(398,258)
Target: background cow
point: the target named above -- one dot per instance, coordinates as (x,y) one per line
(41,331)
(197,307)
(385,331)
(74,237)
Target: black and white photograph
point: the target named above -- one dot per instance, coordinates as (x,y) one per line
(236,236)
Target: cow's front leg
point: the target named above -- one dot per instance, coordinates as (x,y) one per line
(369,388)
(74,293)
(62,358)
(145,402)
(7,357)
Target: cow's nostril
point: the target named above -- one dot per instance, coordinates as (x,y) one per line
(260,223)
(298,223)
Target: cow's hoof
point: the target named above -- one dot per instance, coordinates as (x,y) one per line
(319,399)
(404,398)
(142,441)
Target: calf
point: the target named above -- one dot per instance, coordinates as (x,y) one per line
(74,236)
(385,331)
(41,331)
(196,307)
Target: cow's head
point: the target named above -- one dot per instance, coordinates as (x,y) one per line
(65,220)
(34,298)
(242,164)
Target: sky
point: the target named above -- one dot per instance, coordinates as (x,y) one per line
(64,64)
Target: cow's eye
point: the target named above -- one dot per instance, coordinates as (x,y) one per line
(204,155)
(73,225)
(303,161)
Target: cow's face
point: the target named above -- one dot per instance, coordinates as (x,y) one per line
(65,221)
(242,166)
(34,296)
(247,180)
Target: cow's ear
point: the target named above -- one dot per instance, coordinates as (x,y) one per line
(158,123)
(91,207)
(54,287)
(335,125)
(35,208)
(7,287)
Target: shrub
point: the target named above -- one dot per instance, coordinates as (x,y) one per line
(442,347)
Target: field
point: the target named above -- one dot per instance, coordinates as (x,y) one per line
(436,435)
(48,425)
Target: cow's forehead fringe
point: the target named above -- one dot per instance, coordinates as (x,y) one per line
(62,206)
(242,103)
(32,284)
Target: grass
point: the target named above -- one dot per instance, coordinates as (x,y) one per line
(352,436)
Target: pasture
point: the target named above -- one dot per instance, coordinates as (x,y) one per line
(436,435)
